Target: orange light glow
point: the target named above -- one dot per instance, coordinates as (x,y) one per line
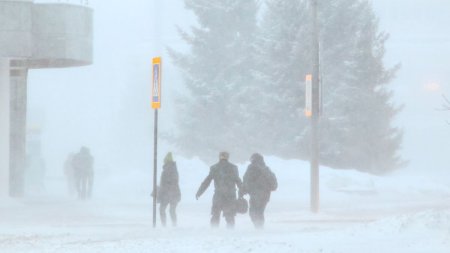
(308,113)
(432,87)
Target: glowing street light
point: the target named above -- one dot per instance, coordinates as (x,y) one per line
(432,87)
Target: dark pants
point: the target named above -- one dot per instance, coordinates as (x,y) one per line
(84,187)
(256,210)
(172,211)
(225,204)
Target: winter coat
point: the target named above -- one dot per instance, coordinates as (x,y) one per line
(169,189)
(226,178)
(82,165)
(259,181)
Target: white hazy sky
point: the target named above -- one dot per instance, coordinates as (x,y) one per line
(106,105)
(420,41)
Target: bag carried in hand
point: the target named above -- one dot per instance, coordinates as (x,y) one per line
(241,205)
(158,197)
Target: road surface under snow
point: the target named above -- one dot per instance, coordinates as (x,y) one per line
(359,213)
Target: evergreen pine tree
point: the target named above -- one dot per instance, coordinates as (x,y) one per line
(247,86)
(356,129)
(216,71)
(284,57)
(362,107)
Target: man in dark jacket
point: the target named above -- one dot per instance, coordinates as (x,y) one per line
(259,181)
(226,178)
(84,173)
(169,190)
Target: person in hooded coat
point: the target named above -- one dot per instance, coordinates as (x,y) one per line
(169,190)
(259,182)
(83,166)
(226,179)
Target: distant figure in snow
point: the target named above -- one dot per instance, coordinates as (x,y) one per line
(69,173)
(83,165)
(226,178)
(169,190)
(259,182)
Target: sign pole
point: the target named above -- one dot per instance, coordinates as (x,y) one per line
(155,166)
(156,104)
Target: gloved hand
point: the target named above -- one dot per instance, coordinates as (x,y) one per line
(197,196)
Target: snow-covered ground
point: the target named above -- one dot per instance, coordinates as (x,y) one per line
(402,212)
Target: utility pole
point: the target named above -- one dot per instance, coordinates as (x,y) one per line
(315,149)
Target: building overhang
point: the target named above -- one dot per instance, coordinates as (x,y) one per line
(47,35)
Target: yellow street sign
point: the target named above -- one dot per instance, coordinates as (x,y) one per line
(156,84)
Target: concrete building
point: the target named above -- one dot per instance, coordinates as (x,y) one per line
(33,36)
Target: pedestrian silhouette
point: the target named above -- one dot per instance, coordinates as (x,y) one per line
(226,178)
(83,163)
(169,190)
(259,182)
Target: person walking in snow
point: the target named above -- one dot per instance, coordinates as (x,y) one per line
(169,190)
(84,173)
(259,182)
(226,178)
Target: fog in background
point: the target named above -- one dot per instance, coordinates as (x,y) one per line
(419,40)
(106,106)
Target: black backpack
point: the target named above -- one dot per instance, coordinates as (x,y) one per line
(271,180)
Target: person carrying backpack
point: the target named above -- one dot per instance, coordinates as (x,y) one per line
(259,181)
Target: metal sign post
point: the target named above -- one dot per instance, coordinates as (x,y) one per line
(156,104)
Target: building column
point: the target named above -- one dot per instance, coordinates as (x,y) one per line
(18,123)
(4,127)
